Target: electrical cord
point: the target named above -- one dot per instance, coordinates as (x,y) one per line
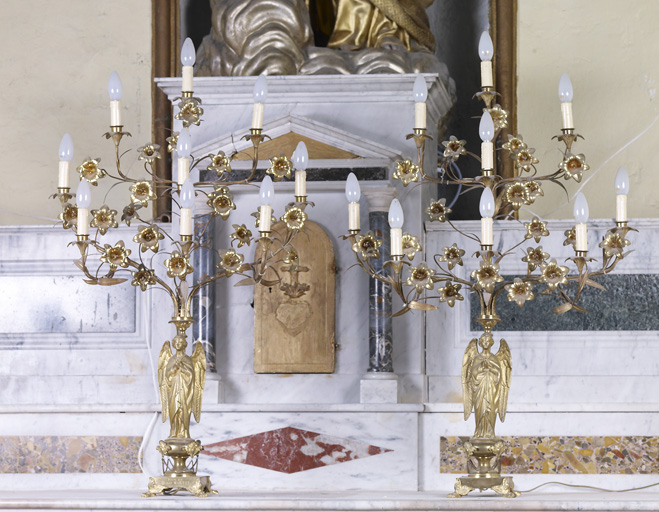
(589,487)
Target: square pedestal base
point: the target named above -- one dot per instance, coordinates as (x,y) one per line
(378,390)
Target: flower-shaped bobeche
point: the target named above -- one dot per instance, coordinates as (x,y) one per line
(452,255)
(454,148)
(519,291)
(553,274)
(535,229)
(574,166)
(189,112)
(143,277)
(142,192)
(517,195)
(178,265)
(148,237)
(280,167)
(241,234)
(533,190)
(570,237)
(535,257)
(230,261)
(524,159)
(220,164)
(130,212)
(406,171)
(149,152)
(614,244)
(420,277)
(515,143)
(221,201)
(367,245)
(103,219)
(116,256)
(449,293)
(437,211)
(90,171)
(294,218)
(499,116)
(172,142)
(487,276)
(411,246)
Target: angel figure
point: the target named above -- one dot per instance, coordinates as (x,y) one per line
(181,380)
(485,383)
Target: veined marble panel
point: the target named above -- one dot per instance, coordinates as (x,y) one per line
(67,454)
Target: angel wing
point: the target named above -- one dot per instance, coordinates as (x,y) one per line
(505,360)
(163,358)
(470,353)
(199,364)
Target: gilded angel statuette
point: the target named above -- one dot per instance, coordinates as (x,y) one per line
(181,379)
(485,383)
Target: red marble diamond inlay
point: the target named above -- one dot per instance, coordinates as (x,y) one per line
(290,450)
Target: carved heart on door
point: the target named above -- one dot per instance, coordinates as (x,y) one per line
(293,316)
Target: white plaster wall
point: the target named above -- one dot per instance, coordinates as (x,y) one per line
(610,50)
(54,67)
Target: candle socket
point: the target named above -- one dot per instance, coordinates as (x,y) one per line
(300,199)
(581,254)
(186,94)
(621,224)
(354,231)
(487,172)
(63,190)
(397,257)
(82,238)
(486,248)
(265,234)
(186,238)
(117,129)
(420,131)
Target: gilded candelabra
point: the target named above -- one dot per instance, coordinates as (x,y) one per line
(486,375)
(180,377)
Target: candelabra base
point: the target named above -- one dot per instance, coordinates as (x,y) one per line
(484,467)
(200,486)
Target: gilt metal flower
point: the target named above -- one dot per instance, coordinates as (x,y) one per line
(220,163)
(535,257)
(241,234)
(516,194)
(449,293)
(142,192)
(280,167)
(294,218)
(103,219)
(149,152)
(533,190)
(406,171)
(454,148)
(148,237)
(574,166)
(519,291)
(143,277)
(129,213)
(116,256)
(411,246)
(570,237)
(367,245)
(487,276)
(452,255)
(172,142)
(230,261)
(69,215)
(178,265)
(524,159)
(553,274)
(515,143)
(535,229)
(189,112)
(90,170)
(499,116)
(614,244)
(420,277)
(438,210)
(221,201)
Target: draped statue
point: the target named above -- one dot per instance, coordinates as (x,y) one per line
(276,37)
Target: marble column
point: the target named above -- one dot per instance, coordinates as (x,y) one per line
(380,384)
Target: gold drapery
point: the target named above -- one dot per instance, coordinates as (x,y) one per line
(375,23)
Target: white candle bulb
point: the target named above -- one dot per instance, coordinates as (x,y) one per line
(486,132)
(187,204)
(353,193)
(622,189)
(65,157)
(486,52)
(581,216)
(83,200)
(300,162)
(187,60)
(115,91)
(565,93)
(266,194)
(183,150)
(420,92)
(487,210)
(396,220)
(260,95)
